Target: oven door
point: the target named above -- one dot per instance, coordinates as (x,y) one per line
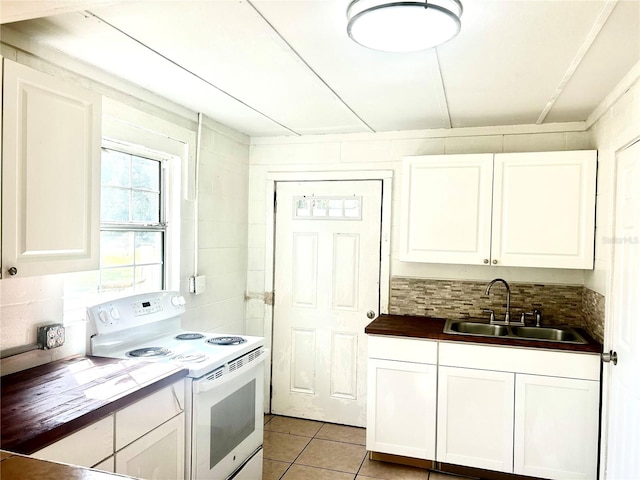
(227,419)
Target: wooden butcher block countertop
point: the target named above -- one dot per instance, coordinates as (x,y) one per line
(18,467)
(432,329)
(43,404)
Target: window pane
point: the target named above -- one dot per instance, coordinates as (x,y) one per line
(148,247)
(303,209)
(146,207)
(149,278)
(335,208)
(116,248)
(117,279)
(320,208)
(115,168)
(145,174)
(352,208)
(114,205)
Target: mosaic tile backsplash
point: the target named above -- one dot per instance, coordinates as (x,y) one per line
(571,305)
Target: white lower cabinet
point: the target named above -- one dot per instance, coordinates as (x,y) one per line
(556,427)
(475,418)
(524,411)
(145,440)
(401,398)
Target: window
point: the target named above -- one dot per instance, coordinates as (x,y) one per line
(133,227)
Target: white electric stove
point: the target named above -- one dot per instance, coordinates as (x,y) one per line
(225,381)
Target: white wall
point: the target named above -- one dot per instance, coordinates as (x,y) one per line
(26,303)
(616,128)
(384,151)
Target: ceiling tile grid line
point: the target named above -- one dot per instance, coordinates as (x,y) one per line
(311,69)
(178,65)
(599,23)
(442,101)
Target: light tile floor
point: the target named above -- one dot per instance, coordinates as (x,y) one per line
(298,449)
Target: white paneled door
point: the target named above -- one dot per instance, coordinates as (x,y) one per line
(623,336)
(327,279)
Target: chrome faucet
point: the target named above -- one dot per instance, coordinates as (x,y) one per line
(507,315)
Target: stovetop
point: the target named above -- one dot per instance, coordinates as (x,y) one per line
(147,326)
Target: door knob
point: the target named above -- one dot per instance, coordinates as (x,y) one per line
(611,356)
(371,314)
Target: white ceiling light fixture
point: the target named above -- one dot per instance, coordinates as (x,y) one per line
(396,26)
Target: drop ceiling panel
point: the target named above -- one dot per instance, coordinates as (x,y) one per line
(388,91)
(230,45)
(510,57)
(84,37)
(614,52)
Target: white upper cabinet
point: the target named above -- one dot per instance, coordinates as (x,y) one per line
(446,215)
(50,174)
(544,209)
(511,209)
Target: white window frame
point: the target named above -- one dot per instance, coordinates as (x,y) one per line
(170,205)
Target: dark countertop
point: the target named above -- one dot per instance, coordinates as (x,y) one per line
(431,328)
(17,467)
(43,404)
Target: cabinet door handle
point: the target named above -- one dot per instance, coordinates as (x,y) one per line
(495,262)
(12,271)
(485,261)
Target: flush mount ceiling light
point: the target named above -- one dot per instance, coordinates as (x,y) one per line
(403,26)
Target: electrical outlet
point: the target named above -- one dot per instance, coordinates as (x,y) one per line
(197,284)
(50,336)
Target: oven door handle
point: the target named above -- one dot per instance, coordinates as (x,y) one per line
(208,383)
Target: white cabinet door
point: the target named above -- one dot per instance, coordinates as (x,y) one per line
(159,455)
(50,174)
(446,208)
(401,408)
(475,418)
(544,209)
(556,427)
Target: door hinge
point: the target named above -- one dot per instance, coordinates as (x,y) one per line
(269,298)
(275,202)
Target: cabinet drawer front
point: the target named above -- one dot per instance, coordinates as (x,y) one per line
(146,414)
(403,349)
(86,447)
(521,360)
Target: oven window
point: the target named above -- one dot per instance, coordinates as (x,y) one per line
(233,419)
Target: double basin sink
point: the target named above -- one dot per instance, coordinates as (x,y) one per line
(515,331)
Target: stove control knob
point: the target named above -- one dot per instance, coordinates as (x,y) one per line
(177,301)
(104,317)
(115,314)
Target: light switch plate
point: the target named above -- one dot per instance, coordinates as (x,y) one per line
(50,336)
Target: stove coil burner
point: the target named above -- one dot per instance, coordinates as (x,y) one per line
(190,358)
(149,352)
(226,340)
(189,336)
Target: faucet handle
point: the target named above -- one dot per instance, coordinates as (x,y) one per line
(523,315)
(492,316)
(538,314)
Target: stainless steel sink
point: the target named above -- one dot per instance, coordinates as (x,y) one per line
(485,329)
(548,333)
(477,328)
